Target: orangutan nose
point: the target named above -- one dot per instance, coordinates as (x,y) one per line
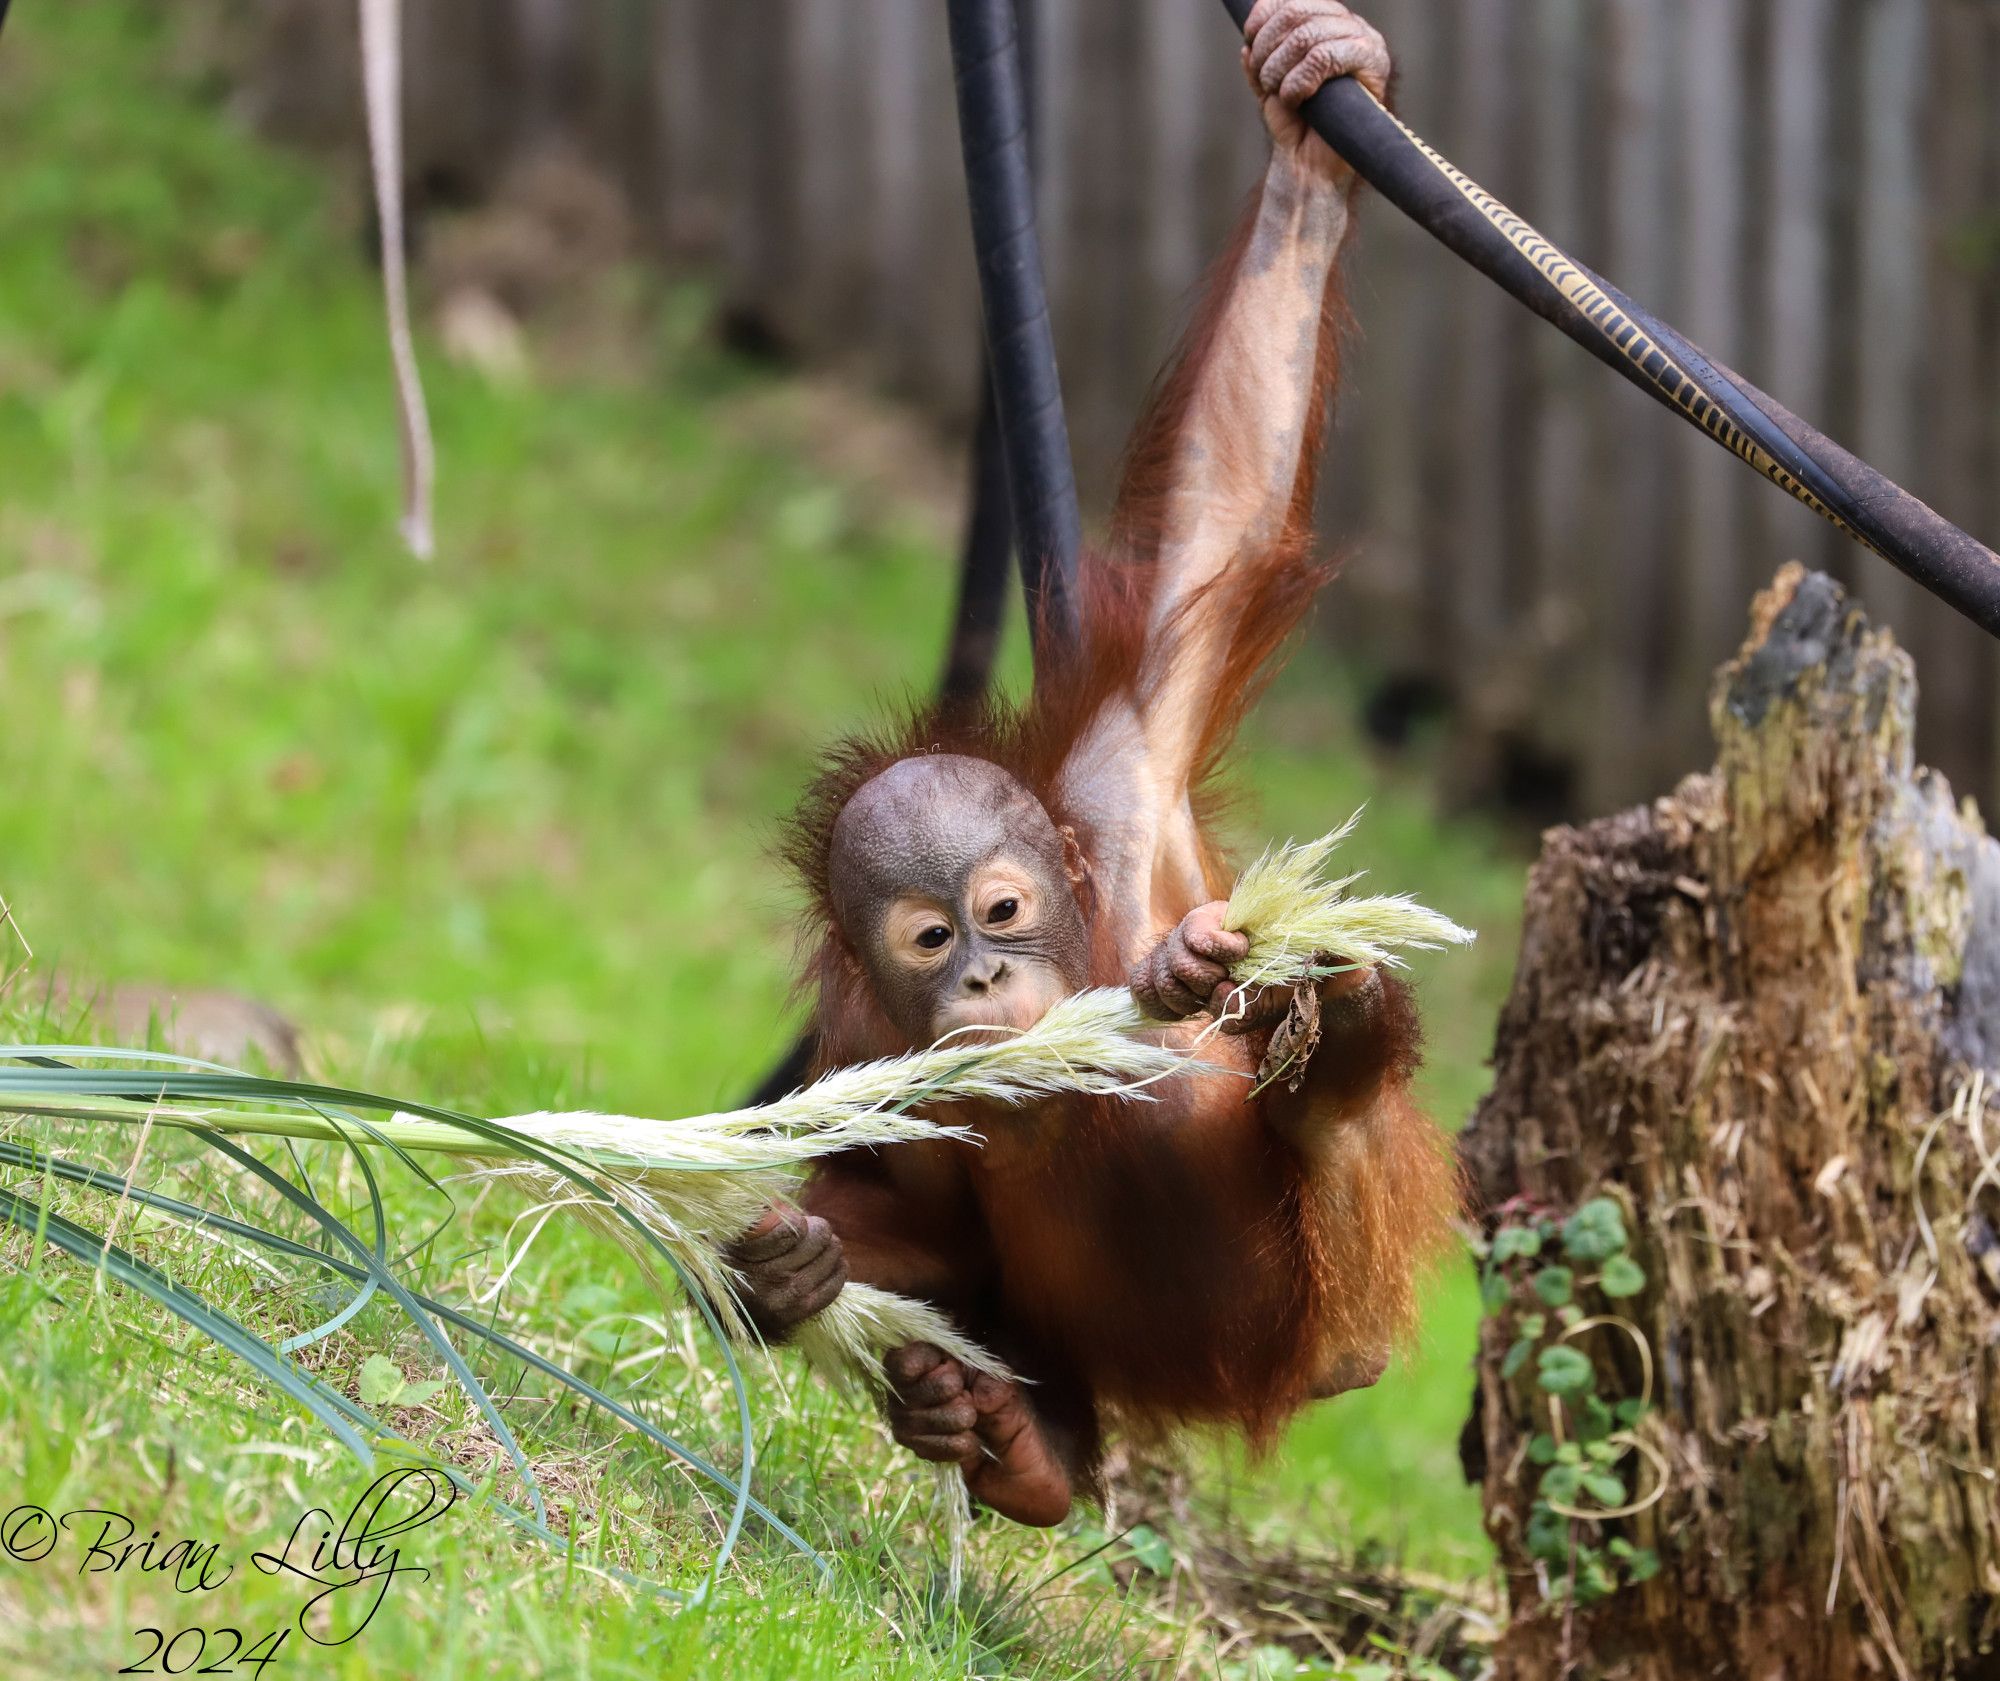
(982,979)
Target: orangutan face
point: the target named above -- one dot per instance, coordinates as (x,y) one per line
(948,879)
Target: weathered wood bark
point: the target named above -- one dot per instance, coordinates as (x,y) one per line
(1756,1014)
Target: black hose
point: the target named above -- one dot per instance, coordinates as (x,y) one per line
(1020,342)
(983,565)
(1877,513)
(1023,485)
(789,1074)
(989,520)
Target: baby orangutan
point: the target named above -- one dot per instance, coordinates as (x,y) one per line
(1217,1255)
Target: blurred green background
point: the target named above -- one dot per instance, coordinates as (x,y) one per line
(501,823)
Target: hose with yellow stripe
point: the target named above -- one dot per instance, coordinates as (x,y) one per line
(1452,208)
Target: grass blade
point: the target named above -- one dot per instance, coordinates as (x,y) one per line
(319,1399)
(191,1214)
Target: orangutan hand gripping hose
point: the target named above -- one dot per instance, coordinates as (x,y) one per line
(1875,512)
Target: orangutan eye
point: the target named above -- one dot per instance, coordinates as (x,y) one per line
(1004,911)
(935,937)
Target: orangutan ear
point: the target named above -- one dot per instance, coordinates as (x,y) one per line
(1075,865)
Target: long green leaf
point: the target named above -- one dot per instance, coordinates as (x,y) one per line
(324,1403)
(209,1084)
(338,1230)
(97,1179)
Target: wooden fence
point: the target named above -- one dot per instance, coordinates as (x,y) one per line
(1810,189)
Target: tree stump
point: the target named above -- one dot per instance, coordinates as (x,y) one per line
(1739,1157)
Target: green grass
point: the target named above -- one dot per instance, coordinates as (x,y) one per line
(496,830)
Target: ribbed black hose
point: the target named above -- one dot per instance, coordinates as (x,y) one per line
(1877,513)
(993,123)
